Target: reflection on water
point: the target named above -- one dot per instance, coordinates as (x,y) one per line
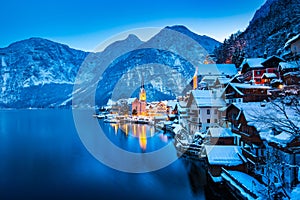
(42,157)
(138,137)
(196,174)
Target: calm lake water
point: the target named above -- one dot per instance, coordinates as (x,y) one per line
(42,157)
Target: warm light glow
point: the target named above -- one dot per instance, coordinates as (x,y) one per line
(195,79)
(143,94)
(280,86)
(134,129)
(125,128)
(143,138)
(116,127)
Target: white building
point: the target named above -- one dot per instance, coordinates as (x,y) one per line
(202,109)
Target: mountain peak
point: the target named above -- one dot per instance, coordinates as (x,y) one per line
(132,37)
(206,42)
(179,28)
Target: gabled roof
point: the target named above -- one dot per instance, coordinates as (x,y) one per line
(224,155)
(217,69)
(269,75)
(238,86)
(208,98)
(253,63)
(219,132)
(274,57)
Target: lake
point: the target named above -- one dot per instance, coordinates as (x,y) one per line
(42,157)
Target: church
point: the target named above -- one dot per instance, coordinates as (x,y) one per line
(139,105)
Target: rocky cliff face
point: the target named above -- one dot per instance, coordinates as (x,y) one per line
(271,27)
(41,73)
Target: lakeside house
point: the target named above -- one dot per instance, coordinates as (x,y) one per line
(227,157)
(253,69)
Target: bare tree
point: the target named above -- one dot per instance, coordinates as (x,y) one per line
(278,116)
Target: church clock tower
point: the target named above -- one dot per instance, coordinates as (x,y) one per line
(143,92)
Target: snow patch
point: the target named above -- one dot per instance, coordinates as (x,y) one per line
(3,63)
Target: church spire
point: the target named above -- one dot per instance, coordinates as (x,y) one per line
(142,83)
(142,91)
(195,79)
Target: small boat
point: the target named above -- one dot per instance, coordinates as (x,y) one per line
(111,119)
(142,121)
(100,116)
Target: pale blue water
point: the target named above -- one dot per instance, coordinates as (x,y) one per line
(42,157)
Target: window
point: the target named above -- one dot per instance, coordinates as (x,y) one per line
(216,111)
(216,120)
(208,111)
(208,121)
(258,72)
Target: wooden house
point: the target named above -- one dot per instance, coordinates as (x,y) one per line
(241,92)
(253,69)
(292,48)
(228,157)
(220,136)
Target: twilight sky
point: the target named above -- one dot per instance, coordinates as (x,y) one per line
(83,24)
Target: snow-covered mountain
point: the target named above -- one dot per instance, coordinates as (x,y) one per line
(40,73)
(166,62)
(37,73)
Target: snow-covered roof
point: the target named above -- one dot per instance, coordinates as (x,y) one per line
(249,86)
(269,75)
(246,184)
(282,139)
(172,104)
(297,73)
(131,100)
(272,57)
(224,155)
(288,65)
(217,69)
(208,98)
(261,117)
(224,80)
(253,62)
(219,132)
(293,39)
(251,110)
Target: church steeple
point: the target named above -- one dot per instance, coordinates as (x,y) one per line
(195,79)
(142,91)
